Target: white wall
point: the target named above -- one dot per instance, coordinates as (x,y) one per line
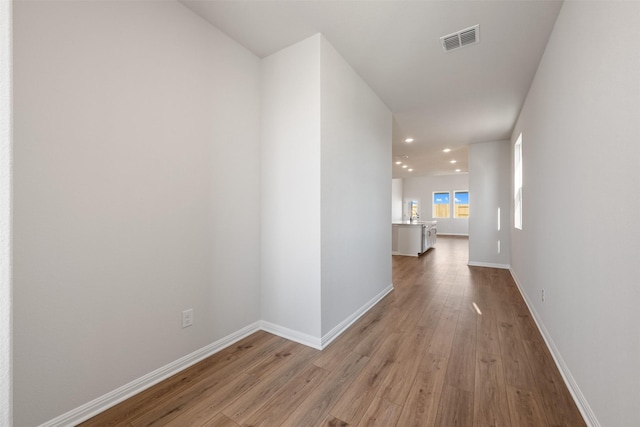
(356,170)
(580,239)
(396,199)
(422,188)
(6,171)
(131,202)
(490,191)
(325,212)
(290,186)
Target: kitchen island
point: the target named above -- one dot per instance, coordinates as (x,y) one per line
(412,238)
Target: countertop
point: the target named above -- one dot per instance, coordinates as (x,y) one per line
(414,223)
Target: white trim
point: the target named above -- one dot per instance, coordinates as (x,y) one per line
(570,382)
(291,335)
(453,234)
(101,404)
(6,206)
(488,264)
(342,326)
(401,254)
(96,406)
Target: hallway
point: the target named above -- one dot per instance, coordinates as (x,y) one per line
(451,345)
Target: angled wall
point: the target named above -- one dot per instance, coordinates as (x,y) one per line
(290,191)
(355,192)
(326,150)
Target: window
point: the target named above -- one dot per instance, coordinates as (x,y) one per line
(517,183)
(441,205)
(412,209)
(461,204)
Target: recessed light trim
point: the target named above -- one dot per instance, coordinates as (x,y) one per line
(398,162)
(409,140)
(453,161)
(410,170)
(446,150)
(458,170)
(404,166)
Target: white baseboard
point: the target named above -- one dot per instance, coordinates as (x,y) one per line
(291,335)
(576,393)
(320,343)
(101,404)
(120,394)
(342,326)
(489,264)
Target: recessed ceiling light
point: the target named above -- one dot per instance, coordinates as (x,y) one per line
(457,170)
(446,150)
(398,162)
(452,161)
(404,166)
(410,170)
(408,140)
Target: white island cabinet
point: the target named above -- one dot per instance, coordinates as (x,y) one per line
(412,238)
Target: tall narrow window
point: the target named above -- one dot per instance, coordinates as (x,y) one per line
(517,183)
(461,204)
(441,205)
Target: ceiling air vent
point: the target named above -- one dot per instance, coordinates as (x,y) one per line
(461,38)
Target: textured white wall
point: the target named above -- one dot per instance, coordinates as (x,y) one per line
(490,188)
(422,188)
(6,170)
(129,121)
(290,185)
(356,171)
(580,239)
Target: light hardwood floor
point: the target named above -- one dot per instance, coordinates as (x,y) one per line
(424,356)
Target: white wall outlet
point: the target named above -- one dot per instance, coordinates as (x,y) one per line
(542,295)
(187,318)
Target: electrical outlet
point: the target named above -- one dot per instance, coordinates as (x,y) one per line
(542,295)
(187,318)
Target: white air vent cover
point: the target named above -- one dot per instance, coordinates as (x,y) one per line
(461,38)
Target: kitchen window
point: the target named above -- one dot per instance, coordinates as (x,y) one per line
(441,204)
(461,204)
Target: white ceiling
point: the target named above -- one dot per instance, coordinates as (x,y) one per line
(442,100)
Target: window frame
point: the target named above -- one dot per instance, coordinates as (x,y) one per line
(455,211)
(434,204)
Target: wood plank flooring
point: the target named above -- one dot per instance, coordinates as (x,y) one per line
(423,356)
